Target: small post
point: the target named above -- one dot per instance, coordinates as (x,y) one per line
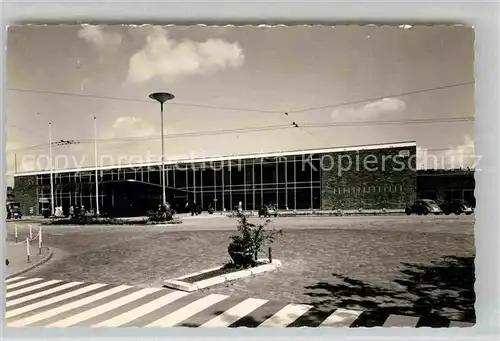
(28,250)
(31,233)
(270,255)
(15,231)
(40,241)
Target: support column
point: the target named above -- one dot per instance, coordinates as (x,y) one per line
(311,184)
(244,185)
(187,182)
(277,183)
(294,182)
(230,185)
(253,184)
(70,191)
(223,193)
(215,187)
(194,183)
(201,185)
(261,182)
(286,183)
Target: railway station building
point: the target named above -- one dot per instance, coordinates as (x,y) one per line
(353,177)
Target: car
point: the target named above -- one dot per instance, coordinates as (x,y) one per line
(423,206)
(456,206)
(14,210)
(268,210)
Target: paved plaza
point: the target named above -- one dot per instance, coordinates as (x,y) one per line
(416,266)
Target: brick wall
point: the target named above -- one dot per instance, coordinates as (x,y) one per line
(375,179)
(25,191)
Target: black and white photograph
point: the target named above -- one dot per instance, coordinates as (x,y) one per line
(240,176)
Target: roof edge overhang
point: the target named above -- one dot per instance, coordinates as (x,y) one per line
(230,157)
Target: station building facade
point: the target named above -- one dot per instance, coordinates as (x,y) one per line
(369,177)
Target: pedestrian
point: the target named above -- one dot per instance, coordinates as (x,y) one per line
(193,208)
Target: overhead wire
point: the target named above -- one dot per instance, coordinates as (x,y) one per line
(124,99)
(242,130)
(382,97)
(257,129)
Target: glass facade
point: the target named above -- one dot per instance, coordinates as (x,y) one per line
(287,181)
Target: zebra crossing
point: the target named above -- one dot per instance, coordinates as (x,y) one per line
(56,303)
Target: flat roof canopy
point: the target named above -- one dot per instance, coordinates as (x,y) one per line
(231,157)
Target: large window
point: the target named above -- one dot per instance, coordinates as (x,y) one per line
(290,182)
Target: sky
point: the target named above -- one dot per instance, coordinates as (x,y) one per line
(232,87)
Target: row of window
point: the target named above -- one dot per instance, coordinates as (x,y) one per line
(89,191)
(181,178)
(368,189)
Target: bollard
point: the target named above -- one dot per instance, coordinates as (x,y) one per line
(40,241)
(15,231)
(270,255)
(31,233)
(28,250)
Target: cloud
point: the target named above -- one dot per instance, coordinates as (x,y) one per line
(375,109)
(130,126)
(168,58)
(386,105)
(454,157)
(98,36)
(462,155)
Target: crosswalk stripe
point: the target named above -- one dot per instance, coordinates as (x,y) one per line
(341,318)
(461,324)
(13,279)
(23,282)
(285,316)
(15,312)
(235,313)
(40,294)
(72,320)
(400,321)
(187,311)
(56,303)
(31,288)
(142,310)
(61,309)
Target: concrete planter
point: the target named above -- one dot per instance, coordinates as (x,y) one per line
(179,284)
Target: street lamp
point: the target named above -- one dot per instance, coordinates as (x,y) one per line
(52,209)
(162,97)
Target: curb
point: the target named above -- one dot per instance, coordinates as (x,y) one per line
(178,284)
(326,214)
(31,267)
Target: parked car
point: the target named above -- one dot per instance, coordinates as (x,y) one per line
(424,206)
(456,206)
(14,210)
(162,213)
(268,211)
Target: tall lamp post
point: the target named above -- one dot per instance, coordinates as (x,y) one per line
(162,97)
(96,168)
(52,210)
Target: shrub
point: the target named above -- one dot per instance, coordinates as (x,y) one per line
(250,240)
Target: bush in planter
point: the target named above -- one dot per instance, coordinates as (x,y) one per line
(250,240)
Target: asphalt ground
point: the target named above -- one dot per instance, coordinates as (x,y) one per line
(408,265)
